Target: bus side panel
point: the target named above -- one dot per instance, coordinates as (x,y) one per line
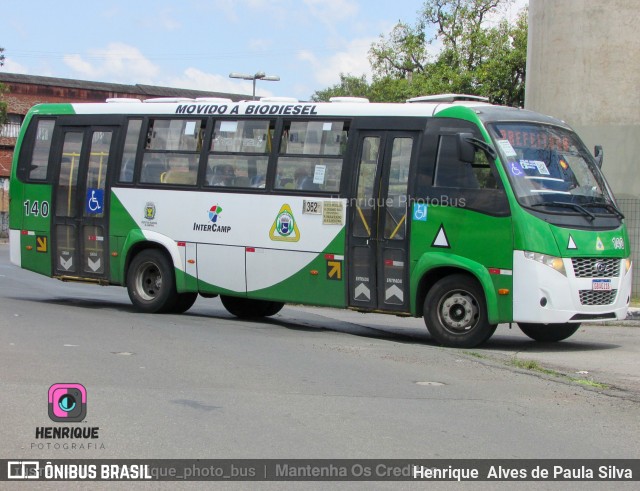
(35,236)
(301,255)
(15,220)
(120,225)
(478,243)
(215,259)
(320,279)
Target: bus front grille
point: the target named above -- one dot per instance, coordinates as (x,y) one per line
(595,297)
(596,267)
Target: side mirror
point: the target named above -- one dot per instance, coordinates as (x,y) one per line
(466,149)
(598,153)
(467,145)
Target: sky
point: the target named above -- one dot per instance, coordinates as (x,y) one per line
(196,44)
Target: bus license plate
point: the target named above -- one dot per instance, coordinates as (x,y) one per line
(601,285)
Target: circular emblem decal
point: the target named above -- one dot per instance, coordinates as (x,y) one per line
(284,223)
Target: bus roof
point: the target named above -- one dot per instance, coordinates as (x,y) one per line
(340,107)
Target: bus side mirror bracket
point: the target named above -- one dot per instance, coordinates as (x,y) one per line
(598,154)
(467,145)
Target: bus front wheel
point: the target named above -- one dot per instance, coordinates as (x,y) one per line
(247,308)
(150,282)
(455,312)
(548,333)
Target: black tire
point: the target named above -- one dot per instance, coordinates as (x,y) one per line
(151,282)
(273,308)
(247,308)
(184,301)
(455,312)
(548,333)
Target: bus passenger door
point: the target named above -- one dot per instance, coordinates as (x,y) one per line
(79,232)
(378,239)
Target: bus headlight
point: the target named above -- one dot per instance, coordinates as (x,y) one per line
(551,261)
(627,265)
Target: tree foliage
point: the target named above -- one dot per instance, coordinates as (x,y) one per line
(452,48)
(348,86)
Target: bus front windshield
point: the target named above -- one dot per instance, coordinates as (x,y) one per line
(550,168)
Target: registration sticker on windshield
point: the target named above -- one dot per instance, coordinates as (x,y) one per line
(542,167)
(507,148)
(602,285)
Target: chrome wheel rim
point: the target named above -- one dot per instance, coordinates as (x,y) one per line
(458,312)
(148,281)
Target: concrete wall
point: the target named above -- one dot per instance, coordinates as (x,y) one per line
(583,66)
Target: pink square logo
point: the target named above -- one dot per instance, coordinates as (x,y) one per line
(67,403)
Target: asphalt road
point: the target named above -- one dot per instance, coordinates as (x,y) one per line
(308,383)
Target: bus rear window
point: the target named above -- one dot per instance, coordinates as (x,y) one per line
(38,164)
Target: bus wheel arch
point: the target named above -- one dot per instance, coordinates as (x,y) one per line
(455,310)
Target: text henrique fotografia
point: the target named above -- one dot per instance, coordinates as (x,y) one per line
(67,438)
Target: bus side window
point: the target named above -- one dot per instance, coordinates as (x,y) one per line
(311,155)
(239,153)
(451,172)
(37,165)
(130,150)
(172,151)
(153,167)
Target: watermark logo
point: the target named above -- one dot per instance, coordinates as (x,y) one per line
(19,469)
(67,403)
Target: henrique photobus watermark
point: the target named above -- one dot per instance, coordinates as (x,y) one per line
(407,201)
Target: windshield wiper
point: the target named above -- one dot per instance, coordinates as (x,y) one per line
(564,204)
(608,206)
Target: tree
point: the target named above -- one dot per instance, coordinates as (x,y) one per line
(348,86)
(451,48)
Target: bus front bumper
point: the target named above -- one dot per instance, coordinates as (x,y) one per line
(543,295)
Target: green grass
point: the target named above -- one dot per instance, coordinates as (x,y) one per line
(475,354)
(589,383)
(533,366)
(536,367)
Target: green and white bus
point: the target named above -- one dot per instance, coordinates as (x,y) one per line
(445,207)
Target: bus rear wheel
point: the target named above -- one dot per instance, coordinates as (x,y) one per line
(247,308)
(184,301)
(548,333)
(150,282)
(455,312)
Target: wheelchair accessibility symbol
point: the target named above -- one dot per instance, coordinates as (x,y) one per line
(420,212)
(95,201)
